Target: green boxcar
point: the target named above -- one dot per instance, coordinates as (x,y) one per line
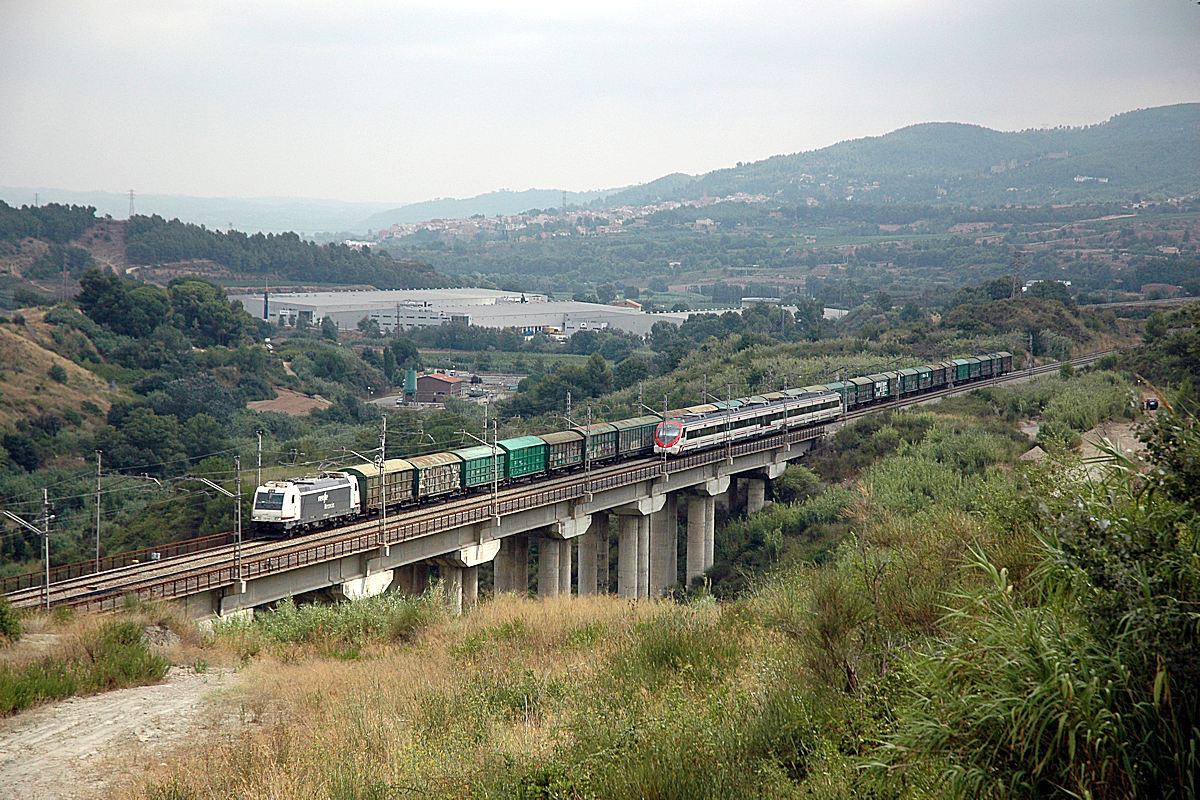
(910,380)
(864,390)
(974,365)
(924,378)
(986,366)
(564,449)
(962,370)
(635,435)
(526,456)
(1005,361)
(601,438)
(480,466)
(398,475)
(882,383)
(436,474)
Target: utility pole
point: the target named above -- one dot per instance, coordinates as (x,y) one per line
(44,531)
(495,472)
(383,482)
(98,456)
(46,543)
(131,206)
(729,421)
(258,467)
(1017,284)
(237,515)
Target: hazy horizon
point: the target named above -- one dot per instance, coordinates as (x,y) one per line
(370,103)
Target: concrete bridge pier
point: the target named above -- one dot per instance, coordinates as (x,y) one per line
(664,547)
(518,573)
(502,577)
(633,557)
(627,557)
(548,567)
(643,562)
(564,567)
(694,554)
(373,583)
(756,495)
(603,541)
(452,584)
(460,572)
(410,579)
(589,546)
(470,590)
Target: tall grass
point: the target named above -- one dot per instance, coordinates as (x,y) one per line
(113,656)
(341,629)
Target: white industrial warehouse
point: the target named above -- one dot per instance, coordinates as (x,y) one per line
(418,308)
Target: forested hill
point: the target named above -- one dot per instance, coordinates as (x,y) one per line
(39,244)
(1145,154)
(284,256)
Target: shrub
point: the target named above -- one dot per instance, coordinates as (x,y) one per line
(114,657)
(350,624)
(10,625)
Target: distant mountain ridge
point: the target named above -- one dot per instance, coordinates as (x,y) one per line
(1151,153)
(504,202)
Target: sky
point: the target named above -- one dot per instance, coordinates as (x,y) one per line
(410,100)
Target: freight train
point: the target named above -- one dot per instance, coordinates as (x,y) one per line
(289,506)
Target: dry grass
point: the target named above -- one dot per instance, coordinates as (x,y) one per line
(26,389)
(428,716)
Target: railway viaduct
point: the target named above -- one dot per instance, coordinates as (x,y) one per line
(566,518)
(568,521)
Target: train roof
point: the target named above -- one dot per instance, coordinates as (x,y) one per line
(636,422)
(521,442)
(561,437)
(434,460)
(595,427)
(368,470)
(317,482)
(478,451)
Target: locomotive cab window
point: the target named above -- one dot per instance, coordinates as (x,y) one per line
(269,501)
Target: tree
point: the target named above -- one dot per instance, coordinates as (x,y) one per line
(629,372)
(201,435)
(1051,290)
(206,316)
(329,329)
(405,353)
(370,327)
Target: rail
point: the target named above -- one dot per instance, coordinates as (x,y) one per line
(77,569)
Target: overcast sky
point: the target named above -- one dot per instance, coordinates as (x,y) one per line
(414,99)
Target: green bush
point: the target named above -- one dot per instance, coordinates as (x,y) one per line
(115,656)
(679,643)
(10,623)
(387,617)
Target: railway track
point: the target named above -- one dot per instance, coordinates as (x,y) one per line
(226,564)
(134,577)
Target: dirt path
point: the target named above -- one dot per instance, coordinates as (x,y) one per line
(76,748)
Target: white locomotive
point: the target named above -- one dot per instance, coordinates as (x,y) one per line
(283,507)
